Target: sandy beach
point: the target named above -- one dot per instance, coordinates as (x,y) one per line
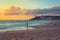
(49,31)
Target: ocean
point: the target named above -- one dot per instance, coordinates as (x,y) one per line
(6,25)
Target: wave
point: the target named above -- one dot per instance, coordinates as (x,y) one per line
(20,24)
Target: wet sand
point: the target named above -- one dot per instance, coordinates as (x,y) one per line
(54,24)
(49,31)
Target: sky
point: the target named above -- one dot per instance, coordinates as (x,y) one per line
(16,9)
(28,4)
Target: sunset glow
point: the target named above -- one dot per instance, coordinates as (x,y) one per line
(18,9)
(14,13)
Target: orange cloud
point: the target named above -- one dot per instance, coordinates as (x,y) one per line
(14,13)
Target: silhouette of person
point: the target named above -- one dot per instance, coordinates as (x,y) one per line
(27,25)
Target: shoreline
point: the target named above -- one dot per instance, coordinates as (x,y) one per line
(35,34)
(51,25)
(23,28)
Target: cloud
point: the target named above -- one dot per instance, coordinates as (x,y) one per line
(55,9)
(13,10)
(17,13)
(14,13)
(55,6)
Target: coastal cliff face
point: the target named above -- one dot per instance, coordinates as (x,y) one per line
(46,17)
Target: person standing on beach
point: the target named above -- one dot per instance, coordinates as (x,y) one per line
(27,25)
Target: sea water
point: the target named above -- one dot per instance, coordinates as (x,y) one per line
(19,24)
